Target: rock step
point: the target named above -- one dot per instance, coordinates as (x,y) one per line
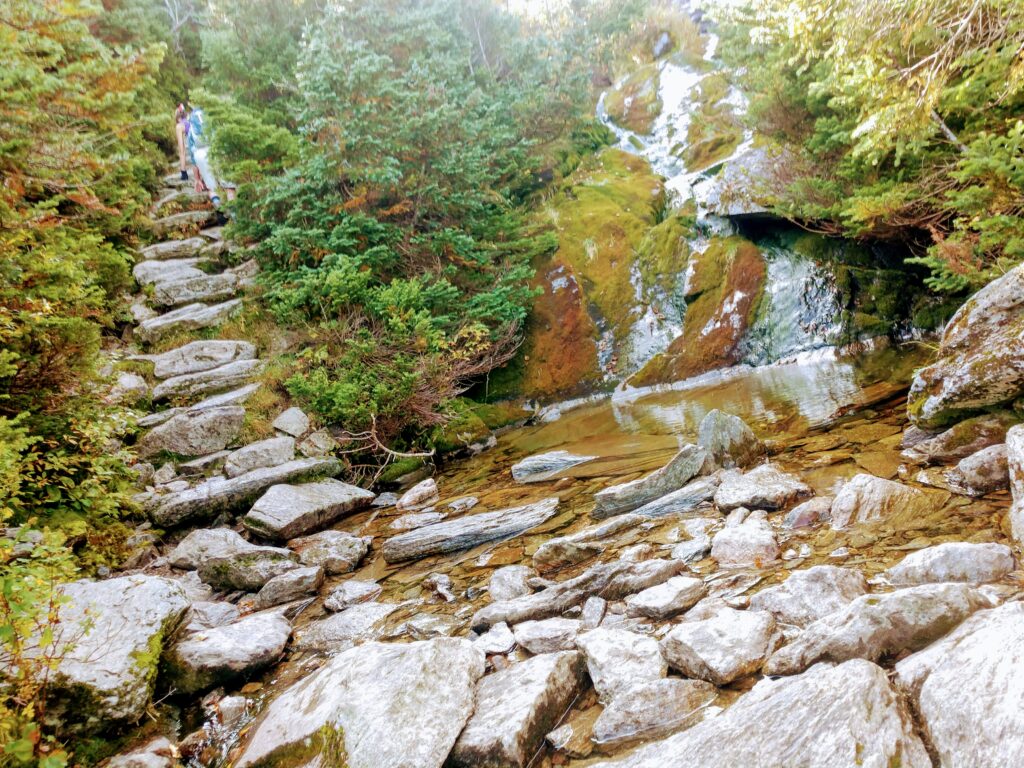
(195,288)
(185,220)
(233,397)
(166,270)
(223,377)
(191,317)
(173,249)
(195,433)
(197,356)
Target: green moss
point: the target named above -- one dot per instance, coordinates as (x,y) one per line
(464,428)
(399,468)
(635,103)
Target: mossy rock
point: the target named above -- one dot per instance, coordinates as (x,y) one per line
(635,103)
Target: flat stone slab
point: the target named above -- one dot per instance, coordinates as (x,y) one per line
(764,487)
(350,593)
(544,466)
(874,626)
(335,551)
(811,594)
(264,453)
(683,467)
(208,499)
(204,543)
(174,293)
(194,433)
(151,272)
(216,656)
(182,221)
(109,637)
(287,511)
(468,531)
(828,716)
(359,623)
(515,708)
(547,635)
(197,356)
(400,705)
(582,545)
(191,317)
(954,561)
(247,570)
(291,585)
(686,500)
(173,249)
(678,594)
(226,376)
(652,709)
(292,422)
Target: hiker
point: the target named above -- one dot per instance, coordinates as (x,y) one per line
(199,149)
(180,129)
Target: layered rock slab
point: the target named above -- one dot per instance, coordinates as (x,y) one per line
(395,705)
(515,708)
(287,511)
(683,467)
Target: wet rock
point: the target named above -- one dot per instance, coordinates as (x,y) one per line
(981,356)
(335,551)
(983,472)
(421,495)
(678,594)
(191,317)
(248,570)
(173,249)
(208,499)
(151,272)
(464,504)
(749,544)
(866,497)
(811,594)
(216,656)
(225,376)
(416,520)
(350,593)
(287,511)
(429,625)
(265,453)
(576,547)
(547,635)
(617,659)
(468,531)
(829,716)
(292,422)
(289,586)
(874,626)
(809,513)
(728,440)
(544,466)
(189,290)
(439,588)
(354,625)
(158,753)
(1015,461)
(510,582)
(400,705)
(720,649)
(764,487)
(611,581)
(698,546)
(965,689)
(319,443)
(652,709)
(515,708)
(194,433)
(205,543)
(207,615)
(108,642)
(683,467)
(687,499)
(962,439)
(954,561)
(498,640)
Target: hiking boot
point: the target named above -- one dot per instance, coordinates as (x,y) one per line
(184,175)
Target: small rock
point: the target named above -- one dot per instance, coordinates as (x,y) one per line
(1015,460)
(464,504)
(764,487)
(293,585)
(215,656)
(247,570)
(751,544)
(439,586)
(699,544)
(728,440)
(873,626)
(387,499)
(593,611)
(544,466)
(208,615)
(265,453)
(811,594)
(287,511)
(983,472)
(678,594)
(129,388)
(343,630)
(350,593)
(292,422)
(157,753)
(498,640)
(582,545)
(416,520)
(954,561)
(423,494)
(515,708)
(510,582)
(547,635)
(617,659)
(430,625)
(809,513)
(335,551)
(723,648)
(205,543)
(319,443)
(652,709)
(165,474)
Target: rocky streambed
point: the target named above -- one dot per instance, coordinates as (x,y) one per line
(762,566)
